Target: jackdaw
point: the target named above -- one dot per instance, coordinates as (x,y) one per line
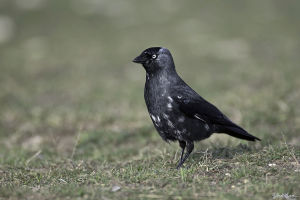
(177,111)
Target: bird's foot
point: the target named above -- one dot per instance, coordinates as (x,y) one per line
(179,164)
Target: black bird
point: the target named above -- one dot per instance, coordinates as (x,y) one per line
(177,111)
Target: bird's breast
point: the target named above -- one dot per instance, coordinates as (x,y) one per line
(158,99)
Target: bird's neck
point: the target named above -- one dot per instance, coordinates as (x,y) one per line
(162,77)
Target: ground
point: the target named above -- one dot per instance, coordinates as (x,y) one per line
(73,122)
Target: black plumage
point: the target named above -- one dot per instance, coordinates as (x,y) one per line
(177,111)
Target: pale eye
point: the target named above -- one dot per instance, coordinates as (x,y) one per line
(153,56)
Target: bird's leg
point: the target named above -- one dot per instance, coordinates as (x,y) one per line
(182,144)
(189,149)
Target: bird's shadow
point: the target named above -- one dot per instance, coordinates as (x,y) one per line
(222,152)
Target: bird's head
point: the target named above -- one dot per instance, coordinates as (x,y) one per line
(155,59)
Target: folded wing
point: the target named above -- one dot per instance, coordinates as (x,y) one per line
(194,106)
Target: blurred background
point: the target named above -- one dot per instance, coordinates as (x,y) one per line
(65,66)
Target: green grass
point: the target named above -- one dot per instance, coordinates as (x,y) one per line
(74,125)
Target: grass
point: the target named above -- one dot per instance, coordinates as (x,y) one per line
(73,122)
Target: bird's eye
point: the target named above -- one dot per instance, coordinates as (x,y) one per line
(153,56)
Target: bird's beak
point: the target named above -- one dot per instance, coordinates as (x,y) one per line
(140,59)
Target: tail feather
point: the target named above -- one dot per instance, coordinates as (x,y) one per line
(237,132)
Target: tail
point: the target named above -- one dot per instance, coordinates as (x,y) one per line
(237,132)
